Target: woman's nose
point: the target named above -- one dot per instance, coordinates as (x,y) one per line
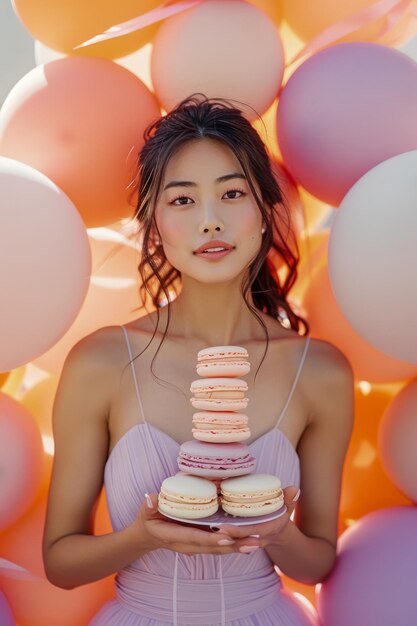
(210,221)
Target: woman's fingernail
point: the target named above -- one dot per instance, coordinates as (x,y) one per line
(148,501)
(226,542)
(254,536)
(297,495)
(248,549)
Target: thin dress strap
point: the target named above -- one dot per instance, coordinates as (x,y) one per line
(142,412)
(297,376)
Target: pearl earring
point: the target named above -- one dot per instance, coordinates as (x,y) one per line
(263,230)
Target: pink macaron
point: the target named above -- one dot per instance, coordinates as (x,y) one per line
(223,361)
(215,460)
(219,394)
(220,426)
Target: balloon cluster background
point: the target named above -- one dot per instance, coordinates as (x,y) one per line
(335,86)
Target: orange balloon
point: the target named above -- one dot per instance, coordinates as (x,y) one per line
(80,121)
(290,194)
(13,381)
(265,127)
(315,211)
(63,25)
(308,591)
(308,19)
(313,255)
(21,457)
(38,602)
(328,322)
(272,8)
(365,485)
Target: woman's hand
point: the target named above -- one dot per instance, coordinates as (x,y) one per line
(155,531)
(268,533)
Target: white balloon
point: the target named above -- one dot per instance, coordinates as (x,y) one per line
(45,263)
(373,256)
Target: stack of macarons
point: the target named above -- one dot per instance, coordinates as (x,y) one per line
(217,451)
(217,459)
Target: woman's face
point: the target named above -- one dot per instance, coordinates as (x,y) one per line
(195,206)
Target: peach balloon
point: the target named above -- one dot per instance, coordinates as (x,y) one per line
(45,263)
(63,25)
(272,8)
(329,323)
(308,19)
(365,485)
(80,121)
(21,456)
(214,49)
(313,255)
(38,602)
(112,298)
(398,440)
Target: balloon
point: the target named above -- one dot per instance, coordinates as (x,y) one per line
(203,50)
(62,26)
(6,615)
(309,19)
(21,456)
(374,579)
(363,465)
(290,195)
(80,121)
(38,400)
(343,111)
(373,256)
(45,263)
(398,440)
(328,322)
(38,602)
(112,298)
(13,381)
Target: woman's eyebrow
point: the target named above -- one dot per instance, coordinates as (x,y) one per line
(189,183)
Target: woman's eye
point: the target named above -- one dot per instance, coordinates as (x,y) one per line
(182,199)
(234,191)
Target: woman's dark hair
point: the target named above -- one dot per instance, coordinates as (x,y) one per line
(199,117)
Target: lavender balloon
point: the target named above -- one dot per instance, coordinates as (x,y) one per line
(343,111)
(374,580)
(6,615)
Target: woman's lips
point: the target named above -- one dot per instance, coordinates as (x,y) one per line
(212,256)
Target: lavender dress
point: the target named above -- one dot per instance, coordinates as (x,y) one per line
(165,588)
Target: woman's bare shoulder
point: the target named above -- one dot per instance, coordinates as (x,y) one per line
(330,377)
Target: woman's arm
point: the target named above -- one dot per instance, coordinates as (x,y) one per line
(306,549)
(72,555)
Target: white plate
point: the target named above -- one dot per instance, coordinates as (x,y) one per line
(225,518)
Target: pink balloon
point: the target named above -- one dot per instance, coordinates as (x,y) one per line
(6,615)
(21,460)
(343,111)
(45,263)
(374,580)
(373,256)
(80,120)
(397,439)
(215,48)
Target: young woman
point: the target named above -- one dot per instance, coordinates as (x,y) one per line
(122,408)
